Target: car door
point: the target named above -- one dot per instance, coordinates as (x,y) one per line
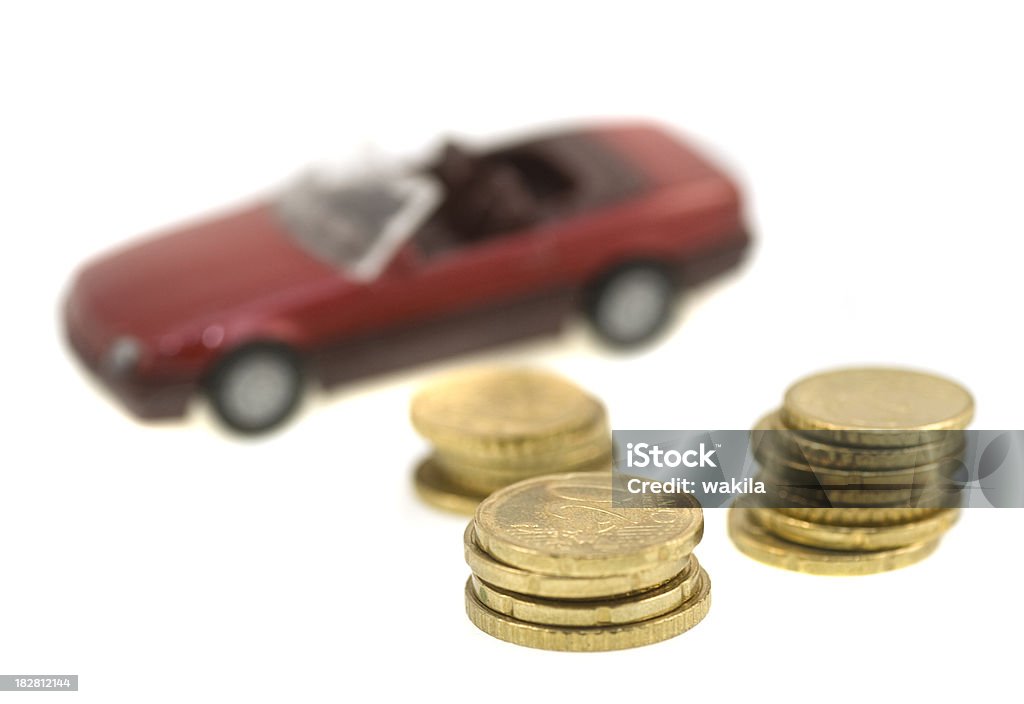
(503,286)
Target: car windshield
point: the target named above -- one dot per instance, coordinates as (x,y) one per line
(356,224)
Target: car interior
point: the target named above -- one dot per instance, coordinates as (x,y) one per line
(490,194)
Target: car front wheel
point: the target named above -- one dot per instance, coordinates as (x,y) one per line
(632,304)
(256,388)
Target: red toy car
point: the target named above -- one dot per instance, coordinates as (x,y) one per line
(339,280)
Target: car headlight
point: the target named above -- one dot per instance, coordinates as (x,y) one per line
(122,356)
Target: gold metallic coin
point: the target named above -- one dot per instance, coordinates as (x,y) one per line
(485,476)
(876,407)
(843,516)
(772,437)
(781,492)
(565,524)
(789,498)
(598,443)
(486,481)
(756,542)
(858,538)
(809,490)
(438,490)
(601,612)
(859,500)
(505,412)
(874,486)
(797,472)
(591,638)
(545,585)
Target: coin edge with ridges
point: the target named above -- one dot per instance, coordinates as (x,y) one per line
(534,558)
(591,638)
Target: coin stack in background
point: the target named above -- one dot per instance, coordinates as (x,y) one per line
(557,566)
(860,467)
(492,428)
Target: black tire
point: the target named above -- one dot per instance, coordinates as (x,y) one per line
(235,393)
(632,304)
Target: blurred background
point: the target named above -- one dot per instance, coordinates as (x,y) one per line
(879,147)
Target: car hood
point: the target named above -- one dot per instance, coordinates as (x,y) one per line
(193,273)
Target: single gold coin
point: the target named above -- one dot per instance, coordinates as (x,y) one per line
(772,437)
(755,541)
(434,487)
(482,475)
(854,538)
(856,499)
(505,412)
(785,471)
(786,492)
(876,407)
(591,638)
(521,581)
(601,612)
(815,488)
(809,491)
(567,525)
(794,502)
(596,443)
(488,481)
(842,516)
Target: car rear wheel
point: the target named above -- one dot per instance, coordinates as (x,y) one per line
(256,388)
(632,304)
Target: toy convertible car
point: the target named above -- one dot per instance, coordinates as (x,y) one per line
(338,280)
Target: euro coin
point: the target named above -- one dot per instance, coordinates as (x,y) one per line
(522,581)
(434,487)
(770,436)
(925,477)
(487,476)
(567,525)
(487,481)
(505,412)
(597,443)
(812,493)
(601,612)
(791,498)
(591,638)
(855,538)
(876,407)
(755,541)
(843,516)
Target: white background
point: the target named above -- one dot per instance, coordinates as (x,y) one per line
(881,152)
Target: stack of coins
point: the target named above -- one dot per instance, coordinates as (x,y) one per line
(493,428)
(557,566)
(860,465)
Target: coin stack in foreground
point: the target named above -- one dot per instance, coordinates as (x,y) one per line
(493,428)
(557,566)
(860,465)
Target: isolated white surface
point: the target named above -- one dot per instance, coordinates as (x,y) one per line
(880,147)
